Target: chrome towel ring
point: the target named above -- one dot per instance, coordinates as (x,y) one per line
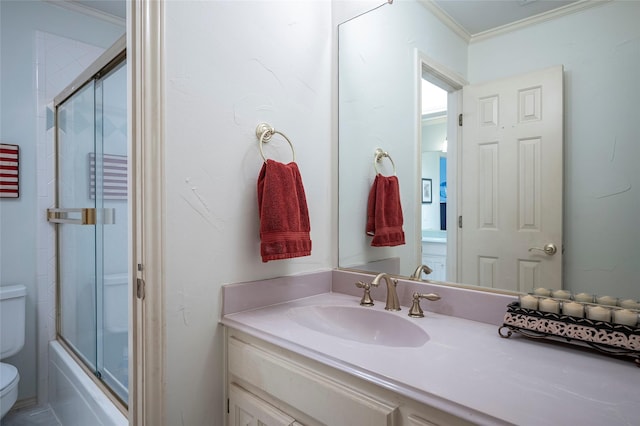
(264,132)
(379,155)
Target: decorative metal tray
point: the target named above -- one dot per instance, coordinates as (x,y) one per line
(606,337)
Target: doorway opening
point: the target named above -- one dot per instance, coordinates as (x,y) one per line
(439,98)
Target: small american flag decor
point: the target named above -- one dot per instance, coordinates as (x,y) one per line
(9,161)
(114,175)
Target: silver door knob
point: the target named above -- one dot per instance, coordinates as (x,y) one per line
(549,249)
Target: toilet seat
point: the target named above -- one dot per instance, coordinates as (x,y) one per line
(9,378)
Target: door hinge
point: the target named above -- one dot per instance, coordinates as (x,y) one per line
(140,284)
(140,290)
(228,406)
(460,120)
(460,222)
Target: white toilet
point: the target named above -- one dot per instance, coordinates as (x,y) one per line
(12,329)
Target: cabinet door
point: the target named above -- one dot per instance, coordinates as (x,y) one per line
(245,409)
(419,421)
(323,398)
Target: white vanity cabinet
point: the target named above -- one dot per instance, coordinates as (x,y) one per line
(434,255)
(270,385)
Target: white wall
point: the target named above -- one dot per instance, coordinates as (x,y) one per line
(600,50)
(230,66)
(21,122)
(381,54)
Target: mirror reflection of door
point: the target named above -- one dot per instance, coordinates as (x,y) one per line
(512,170)
(512,150)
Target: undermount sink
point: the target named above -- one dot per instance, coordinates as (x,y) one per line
(360,324)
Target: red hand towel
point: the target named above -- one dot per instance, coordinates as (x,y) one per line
(284,217)
(384,212)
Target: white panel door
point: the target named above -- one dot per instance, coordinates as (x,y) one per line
(511,203)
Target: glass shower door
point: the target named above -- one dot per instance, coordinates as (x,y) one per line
(93,226)
(112,237)
(77,268)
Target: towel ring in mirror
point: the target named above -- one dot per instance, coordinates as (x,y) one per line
(380,154)
(264,132)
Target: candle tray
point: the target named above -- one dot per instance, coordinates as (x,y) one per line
(610,338)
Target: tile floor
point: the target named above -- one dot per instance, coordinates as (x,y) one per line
(30,416)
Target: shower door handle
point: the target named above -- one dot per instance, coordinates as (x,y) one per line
(87,216)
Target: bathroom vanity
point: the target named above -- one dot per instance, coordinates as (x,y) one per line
(276,386)
(324,359)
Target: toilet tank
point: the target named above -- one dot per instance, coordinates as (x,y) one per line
(12,319)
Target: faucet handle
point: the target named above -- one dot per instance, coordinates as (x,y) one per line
(366,297)
(416,311)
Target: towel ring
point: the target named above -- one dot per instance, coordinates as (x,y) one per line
(264,132)
(380,154)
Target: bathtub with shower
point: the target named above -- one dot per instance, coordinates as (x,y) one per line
(88,362)
(74,397)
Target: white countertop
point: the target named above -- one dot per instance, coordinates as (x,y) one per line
(466,369)
(434,240)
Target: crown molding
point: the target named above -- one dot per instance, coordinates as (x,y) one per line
(94,13)
(431,6)
(446,19)
(538,19)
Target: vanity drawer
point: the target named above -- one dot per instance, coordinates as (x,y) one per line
(319,397)
(313,393)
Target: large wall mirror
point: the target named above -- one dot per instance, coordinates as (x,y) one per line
(404,77)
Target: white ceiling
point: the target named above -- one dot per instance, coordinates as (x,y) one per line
(476,16)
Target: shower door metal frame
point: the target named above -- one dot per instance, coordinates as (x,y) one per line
(111,59)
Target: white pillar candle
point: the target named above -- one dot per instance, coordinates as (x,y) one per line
(607,300)
(561,294)
(598,313)
(583,297)
(528,301)
(542,291)
(629,304)
(625,316)
(573,309)
(549,305)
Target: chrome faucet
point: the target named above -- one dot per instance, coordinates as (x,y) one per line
(393,304)
(417,274)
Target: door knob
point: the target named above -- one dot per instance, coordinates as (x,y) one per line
(549,249)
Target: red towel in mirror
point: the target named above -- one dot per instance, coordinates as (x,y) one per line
(284,217)
(384,212)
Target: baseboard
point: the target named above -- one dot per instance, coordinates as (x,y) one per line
(25,403)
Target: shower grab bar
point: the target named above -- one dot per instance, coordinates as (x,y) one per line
(87,216)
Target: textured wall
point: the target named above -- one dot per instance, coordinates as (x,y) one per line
(230,66)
